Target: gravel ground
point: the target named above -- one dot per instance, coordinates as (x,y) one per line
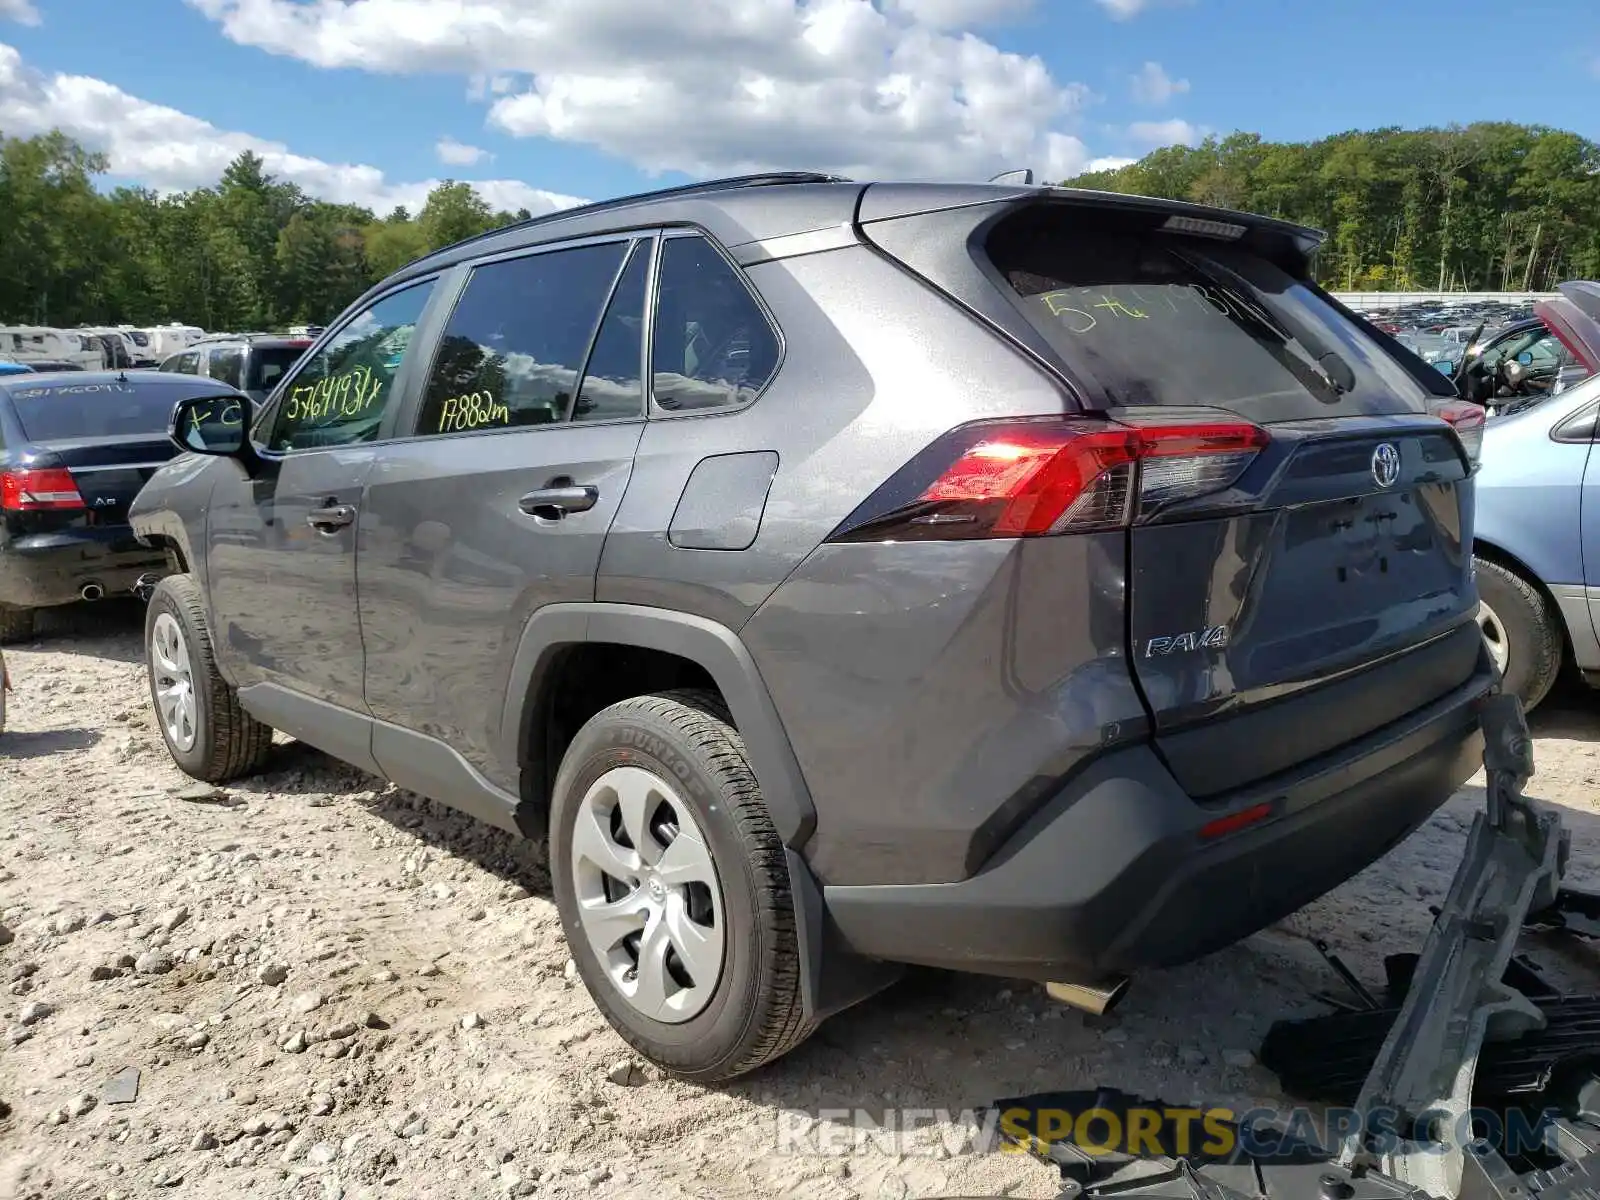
(330,987)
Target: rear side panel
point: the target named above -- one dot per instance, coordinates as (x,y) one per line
(937,693)
(875,366)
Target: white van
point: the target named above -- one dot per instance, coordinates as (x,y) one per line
(38,343)
(167,340)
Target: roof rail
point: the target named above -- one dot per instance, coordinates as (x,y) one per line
(760,179)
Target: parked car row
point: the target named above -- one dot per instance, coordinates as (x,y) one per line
(838,576)
(1501,362)
(92,348)
(251,362)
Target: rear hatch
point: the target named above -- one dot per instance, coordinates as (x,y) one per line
(1574,317)
(108,436)
(1317,584)
(1299,529)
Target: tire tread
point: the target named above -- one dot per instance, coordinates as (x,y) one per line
(238,743)
(777,1022)
(1544,652)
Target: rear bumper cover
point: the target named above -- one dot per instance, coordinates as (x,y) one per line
(1112,875)
(47,569)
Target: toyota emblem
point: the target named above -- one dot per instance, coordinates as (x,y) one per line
(1386,465)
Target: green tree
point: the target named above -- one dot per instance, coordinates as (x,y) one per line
(1485,206)
(454,211)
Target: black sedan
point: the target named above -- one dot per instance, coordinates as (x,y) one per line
(74,449)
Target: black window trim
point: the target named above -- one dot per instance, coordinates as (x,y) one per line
(267,415)
(464,272)
(657,413)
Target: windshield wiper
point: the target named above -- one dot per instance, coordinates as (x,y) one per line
(1328,367)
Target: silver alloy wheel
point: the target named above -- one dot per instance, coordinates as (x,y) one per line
(174,685)
(1494,636)
(647,892)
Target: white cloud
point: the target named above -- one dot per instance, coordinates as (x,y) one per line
(1152,85)
(1110,163)
(172,151)
(1164,133)
(19,10)
(887,88)
(458,154)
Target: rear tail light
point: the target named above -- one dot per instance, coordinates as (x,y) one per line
(1467,419)
(32,491)
(997,479)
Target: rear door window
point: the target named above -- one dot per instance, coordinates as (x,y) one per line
(1151,318)
(69,411)
(613,382)
(517,340)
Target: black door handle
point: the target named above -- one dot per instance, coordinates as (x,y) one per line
(335,516)
(556,502)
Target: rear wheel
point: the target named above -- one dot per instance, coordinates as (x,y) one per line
(673,888)
(207,733)
(16,624)
(1521,630)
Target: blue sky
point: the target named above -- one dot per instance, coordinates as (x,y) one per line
(541,101)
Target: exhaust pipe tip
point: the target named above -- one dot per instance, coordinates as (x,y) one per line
(92,591)
(1097,999)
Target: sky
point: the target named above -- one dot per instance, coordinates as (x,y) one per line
(540,103)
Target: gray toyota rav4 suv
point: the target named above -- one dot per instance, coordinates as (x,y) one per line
(1011,579)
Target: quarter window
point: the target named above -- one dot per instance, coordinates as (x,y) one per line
(713,346)
(339,397)
(518,338)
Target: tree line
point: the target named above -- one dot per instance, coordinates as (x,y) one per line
(1490,206)
(253,252)
(1484,207)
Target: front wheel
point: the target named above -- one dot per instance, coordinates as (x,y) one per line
(208,734)
(1521,630)
(673,888)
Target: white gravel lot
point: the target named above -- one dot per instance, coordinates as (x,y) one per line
(332,988)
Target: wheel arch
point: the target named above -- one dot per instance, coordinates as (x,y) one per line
(832,977)
(165,531)
(559,628)
(1500,556)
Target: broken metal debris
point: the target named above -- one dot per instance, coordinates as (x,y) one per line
(121,1088)
(1460,1022)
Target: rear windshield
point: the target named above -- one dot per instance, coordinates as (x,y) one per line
(91,410)
(267,365)
(1154,318)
